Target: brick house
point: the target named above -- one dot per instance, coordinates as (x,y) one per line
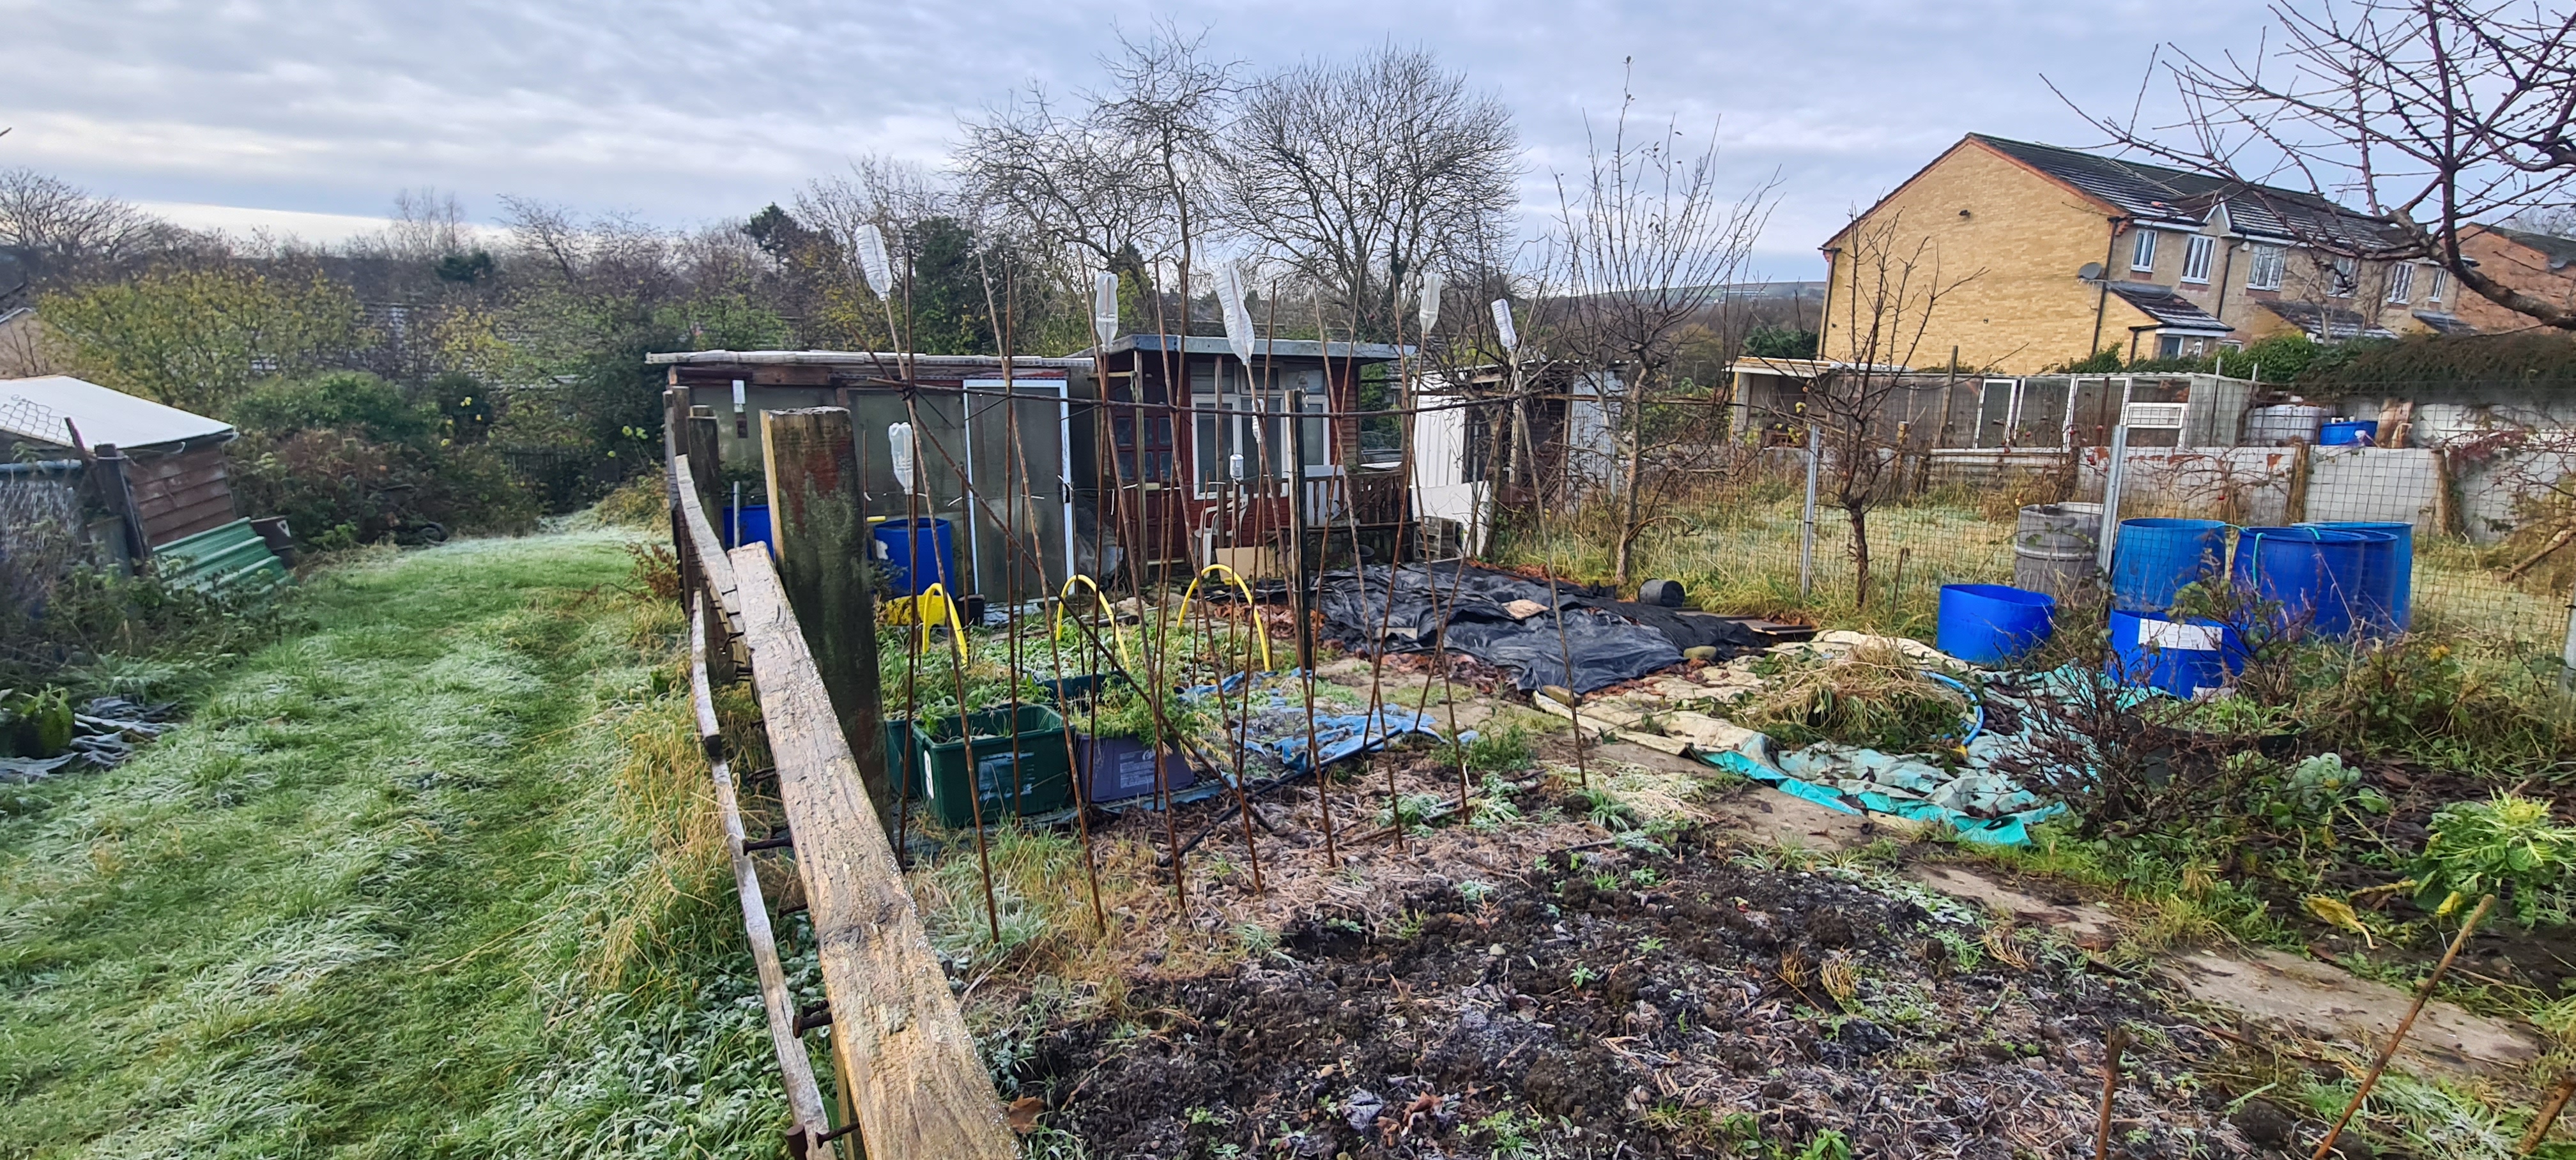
(2541,265)
(2074,252)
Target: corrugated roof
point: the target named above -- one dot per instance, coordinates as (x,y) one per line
(2169,308)
(33,410)
(2162,193)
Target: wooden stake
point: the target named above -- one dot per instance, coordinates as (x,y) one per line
(2548,1115)
(2423,995)
(822,535)
(2112,1045)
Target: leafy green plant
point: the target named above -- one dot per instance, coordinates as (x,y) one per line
(2510,847)
(35,724)
(1505,750)
(1414,810)
(1604,808)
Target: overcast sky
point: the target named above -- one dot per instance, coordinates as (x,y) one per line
(310,114)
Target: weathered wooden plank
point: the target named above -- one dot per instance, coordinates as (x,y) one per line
(898,1038)
(796,1070)
(820,529)
(703,541)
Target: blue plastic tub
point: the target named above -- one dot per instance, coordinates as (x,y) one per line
(2389,579)
(2181,658)
(2153,559)
(1989,624)
(2318,576)
(755,527)
(2348,433)
(931,542)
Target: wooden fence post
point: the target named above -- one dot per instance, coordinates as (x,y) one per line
(119,494)
(821,531)
(698,442)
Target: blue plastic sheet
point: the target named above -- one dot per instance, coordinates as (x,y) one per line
(1969,794)
(1278,727)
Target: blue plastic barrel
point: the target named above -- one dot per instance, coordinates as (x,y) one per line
(2153,559)
(933,542)
(2318,576)
(2390,579)
(755,527)
(1988,624)
(2177,657)
(2348,433)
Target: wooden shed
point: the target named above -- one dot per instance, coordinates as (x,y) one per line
(173,460)
(1196,445)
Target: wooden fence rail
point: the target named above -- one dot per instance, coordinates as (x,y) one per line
(909,1077)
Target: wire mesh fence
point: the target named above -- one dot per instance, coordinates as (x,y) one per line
(2493,540)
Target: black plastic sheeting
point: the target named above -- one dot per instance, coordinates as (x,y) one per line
(1605,646)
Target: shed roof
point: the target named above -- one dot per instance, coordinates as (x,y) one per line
(1283,348)
(927,365)
(34,410)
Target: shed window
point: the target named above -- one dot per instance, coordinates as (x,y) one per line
(2264,272)
(2142,253)
(2195,258)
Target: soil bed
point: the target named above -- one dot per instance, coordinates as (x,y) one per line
(1616,1002)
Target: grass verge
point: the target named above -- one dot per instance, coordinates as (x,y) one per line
(438,877)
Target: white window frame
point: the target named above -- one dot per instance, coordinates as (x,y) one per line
(2142,252)
(2263,270)
(2441,283)
(2343,277)
(2196,258)
(2401,282)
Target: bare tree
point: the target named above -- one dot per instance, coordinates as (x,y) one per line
(1887,287)
(1121,181)
(427,225)
(60,230)
(1648,245)
(2434,113)
(1361,174)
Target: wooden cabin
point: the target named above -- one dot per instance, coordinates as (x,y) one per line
(1194,452)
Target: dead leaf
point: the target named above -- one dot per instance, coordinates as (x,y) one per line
(2336,912)
(1023,1114)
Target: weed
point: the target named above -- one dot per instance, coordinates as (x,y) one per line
(2509,847)
(1582,976)
(1492,751)
(1475,892)
(1604,808)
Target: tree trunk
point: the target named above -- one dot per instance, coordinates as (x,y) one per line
(1858,512)
(1636,467)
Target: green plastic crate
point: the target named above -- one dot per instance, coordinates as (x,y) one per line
(1044,775)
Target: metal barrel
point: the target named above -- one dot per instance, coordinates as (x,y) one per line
(2054,549)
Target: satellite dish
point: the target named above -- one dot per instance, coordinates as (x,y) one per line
(2090,272)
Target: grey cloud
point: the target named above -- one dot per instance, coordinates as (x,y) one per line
(685,112)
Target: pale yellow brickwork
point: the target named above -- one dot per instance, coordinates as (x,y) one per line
(2023,236)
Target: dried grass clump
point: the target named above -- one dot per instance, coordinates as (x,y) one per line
(1874,697)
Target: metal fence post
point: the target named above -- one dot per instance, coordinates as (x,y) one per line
(2567,652)
(2109,533)
(1807,526)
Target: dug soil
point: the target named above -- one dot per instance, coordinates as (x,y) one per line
(1621,1002)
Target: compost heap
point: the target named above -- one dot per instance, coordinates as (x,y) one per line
(1511,622)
